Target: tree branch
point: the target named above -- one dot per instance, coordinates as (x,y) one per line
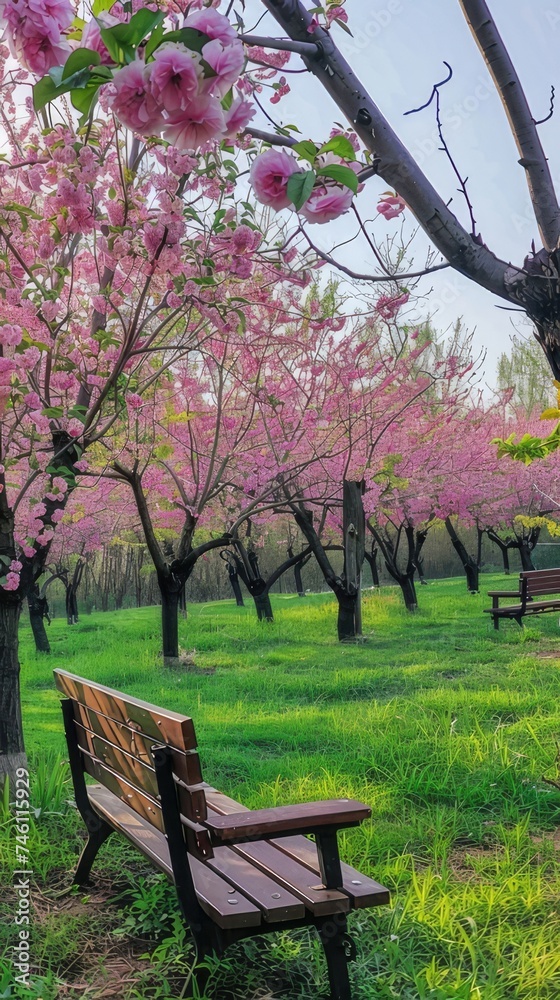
(522,124)
(394,162)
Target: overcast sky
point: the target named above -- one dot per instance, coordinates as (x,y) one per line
(397,51)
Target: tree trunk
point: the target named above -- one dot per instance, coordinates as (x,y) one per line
(235,585)
(298,580)
(525,553)
(406,583)
(263,606)
(71,605)
(346,623)
(504,548)
(470,565)
(372,560)
(417,559)
(38,608)
(12,750)
(169,619)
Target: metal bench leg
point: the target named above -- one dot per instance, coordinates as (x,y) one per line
(339,950)
(98,834)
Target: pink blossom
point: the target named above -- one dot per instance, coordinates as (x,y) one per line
(213,24)
(99,303)
(269,175)
(391,205)
(57,515)
(201,122)
(387,306)
(91,36)
(46,246)
(81,466)
(34,29)
(16,566)
(336,14)
(29,358)
(130,98)
(174,76)
(28,551)
(10,335)
(39,510)
(174,301)
(45,536)
(226,61)
(7,368)
(51,309)
(326,203)
(133,400)
(12,581)
(238,116)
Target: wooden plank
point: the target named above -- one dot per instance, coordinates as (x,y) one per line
(271,822)
(276,903)
(295,877)
(186,764)
(139,773)
(162,725)
(228,907)
(362,890)
(367,893)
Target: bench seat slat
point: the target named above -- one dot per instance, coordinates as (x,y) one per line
(161,725)
(295,877)
(213,892)
(362,890)
(276,903)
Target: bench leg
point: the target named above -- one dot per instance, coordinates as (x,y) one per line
(98,834)
(496,622)
(339,949)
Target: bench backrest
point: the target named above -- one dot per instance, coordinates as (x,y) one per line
(115,734)
(538,582)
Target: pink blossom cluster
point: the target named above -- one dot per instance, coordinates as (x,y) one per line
(387,306)
(271,171)
(176,95)
(35,32)
(391,205)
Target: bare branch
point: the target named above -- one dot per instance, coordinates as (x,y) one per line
(522,124)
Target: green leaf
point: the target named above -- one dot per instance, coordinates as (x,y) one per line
(84,99)
(53,412)
(190,37)
(227,101)
(52,86)
(80,59)
(300,186)
(99,6)
(340,174)
(122,39)
(306,149)
(340,145)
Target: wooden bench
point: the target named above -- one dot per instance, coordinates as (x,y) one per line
(237,872)
(532,583)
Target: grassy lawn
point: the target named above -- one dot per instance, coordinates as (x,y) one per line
(444,726)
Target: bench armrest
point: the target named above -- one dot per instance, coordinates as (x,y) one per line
(283,820)
(504,593)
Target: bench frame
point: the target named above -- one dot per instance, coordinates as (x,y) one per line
(532,583)
(208,936)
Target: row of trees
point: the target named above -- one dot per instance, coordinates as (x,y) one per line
(155,341)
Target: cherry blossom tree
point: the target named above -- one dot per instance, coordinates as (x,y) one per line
(532,285)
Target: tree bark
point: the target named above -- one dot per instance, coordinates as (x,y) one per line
(372,560)
(263,606)
(470,564)
(235,586)
(408,588)
(346,624)
(169,617)
(503,546)
(12,748)
(38,609)
(525,553)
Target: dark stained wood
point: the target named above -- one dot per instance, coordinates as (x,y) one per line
(271,822)
(214,893)
(295,877)
(532,583)
(186,763)
(276,903)
(161,725)
(140,773)
(363,891)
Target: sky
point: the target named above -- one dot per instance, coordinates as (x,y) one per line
(397,50)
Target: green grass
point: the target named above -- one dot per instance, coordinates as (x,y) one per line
(444,726)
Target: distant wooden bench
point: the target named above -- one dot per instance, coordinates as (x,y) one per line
(237,872)
(532,583)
